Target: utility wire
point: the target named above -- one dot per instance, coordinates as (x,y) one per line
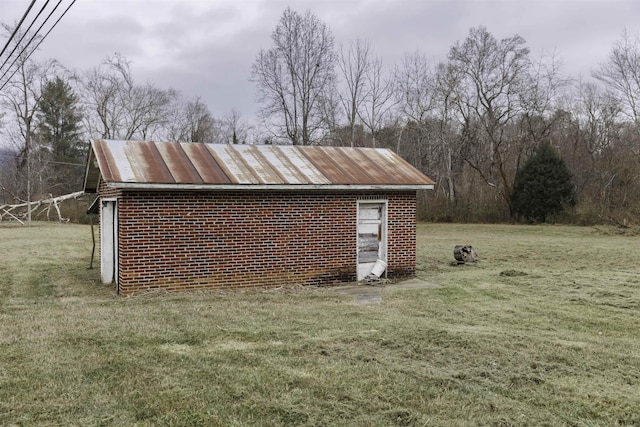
(22,38)
(39,42)
(65,163)
(15,30)
(16,156)
(54,24)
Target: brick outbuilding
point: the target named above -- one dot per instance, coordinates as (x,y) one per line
(180,216)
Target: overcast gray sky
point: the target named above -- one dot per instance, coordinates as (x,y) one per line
(206,47)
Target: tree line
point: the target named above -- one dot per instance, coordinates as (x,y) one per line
(48,114)
(470,121)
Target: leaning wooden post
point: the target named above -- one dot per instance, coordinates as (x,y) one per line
(93,239)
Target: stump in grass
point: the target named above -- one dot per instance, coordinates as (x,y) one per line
(464,254)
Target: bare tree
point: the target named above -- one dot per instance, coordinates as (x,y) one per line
(493,75)
(202,125)
(415,94)
(379,98)
(192,122)
(597,112)
(355,64)
(119,108)
(20,97)
(538,101)
(415,80)
(234,130)
(448,139)
(427,96)
(543,85)
(329,112)
(294,75)
(621,74)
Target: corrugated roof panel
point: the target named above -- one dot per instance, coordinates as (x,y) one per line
(408,173)
(259,165)
(230,161)
(120,164)
(104,160)
(302,164)
(286,169)
(169,164)
(179,165)
(357,172)
(378,162)
(205,163)
(325,163)
(147,158)
(376,171)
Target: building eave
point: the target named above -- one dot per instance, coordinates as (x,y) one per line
(265,187)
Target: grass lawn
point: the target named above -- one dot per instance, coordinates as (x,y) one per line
(544,330)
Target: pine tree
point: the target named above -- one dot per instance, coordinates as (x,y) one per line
(58,131)
(542,186)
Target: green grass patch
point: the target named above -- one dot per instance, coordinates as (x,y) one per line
(543,330)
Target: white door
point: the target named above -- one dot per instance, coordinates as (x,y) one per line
(371,236)
(108,240)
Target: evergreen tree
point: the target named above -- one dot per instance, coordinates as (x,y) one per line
(58,132)
(542,186)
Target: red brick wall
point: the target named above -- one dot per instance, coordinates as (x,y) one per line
(193,240)
(105,191)
(401,235)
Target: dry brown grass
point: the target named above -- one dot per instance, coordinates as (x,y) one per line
(542,331)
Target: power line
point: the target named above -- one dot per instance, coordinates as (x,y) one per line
(15,30)
(24,34)
(17,156)
(40,42)
(53,26)
(66,163)
(35,34)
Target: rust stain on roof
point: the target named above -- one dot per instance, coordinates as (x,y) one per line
(147,156)
(173,163)
(178,163)
(345,159)
(105,162)
(326,165)
(310,174)
(205,164)
(377,174)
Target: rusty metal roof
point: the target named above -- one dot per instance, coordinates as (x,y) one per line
(166,165)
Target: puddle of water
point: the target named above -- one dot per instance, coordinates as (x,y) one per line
(368,299)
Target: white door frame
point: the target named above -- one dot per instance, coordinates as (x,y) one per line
(109,240)
(382,250)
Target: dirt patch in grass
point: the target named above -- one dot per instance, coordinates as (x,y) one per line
(513,273)
(555,346)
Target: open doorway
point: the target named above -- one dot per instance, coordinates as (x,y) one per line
(372,235)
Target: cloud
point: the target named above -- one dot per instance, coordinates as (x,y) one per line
(206,48)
